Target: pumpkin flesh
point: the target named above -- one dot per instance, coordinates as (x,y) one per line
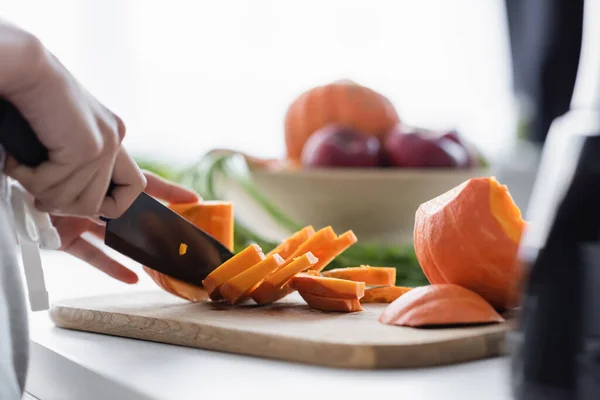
(470,236)
(327,287)
(439,304)
(237,289)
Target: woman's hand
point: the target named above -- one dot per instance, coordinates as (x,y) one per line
(83,137)
(71,228)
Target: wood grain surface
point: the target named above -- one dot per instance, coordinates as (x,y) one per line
(287,330)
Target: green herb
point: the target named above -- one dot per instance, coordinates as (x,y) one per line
(202,177)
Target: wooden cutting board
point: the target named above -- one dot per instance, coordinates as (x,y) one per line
(286,330)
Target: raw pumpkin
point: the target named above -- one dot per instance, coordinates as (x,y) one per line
(331,303)
(371,276)
(383,294)
(439,304)
(327,287)
(216,219)
(237,289)
(328,252)
(286,248)
(274,286)
(237,264)
(344,103)
(212,216)
(470,236)
(321,238)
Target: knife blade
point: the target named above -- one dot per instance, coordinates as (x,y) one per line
(148,232)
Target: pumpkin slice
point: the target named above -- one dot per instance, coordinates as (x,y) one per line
(439,304)
(371,276)
(321,238)
(216,219)
(176,287)
(240,286)
(237,264)
(383,294)
(291,244)
(330,251)
(212,216)
(331,303)
(327,287)
(274,287)
(470,236)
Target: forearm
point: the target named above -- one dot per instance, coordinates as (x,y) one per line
(22,57)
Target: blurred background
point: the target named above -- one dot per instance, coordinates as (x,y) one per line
(188,76)
(191,76)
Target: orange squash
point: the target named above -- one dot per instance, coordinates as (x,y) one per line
(383,294)
(237,289)
(331,303)
(286,248)
(321,238)
(470,236)
(274,286)
(439,304)
(371,276)
(343,103)
(327,287)
(328,252)
(215,218)
(237,264)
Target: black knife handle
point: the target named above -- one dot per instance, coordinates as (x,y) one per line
(20,141)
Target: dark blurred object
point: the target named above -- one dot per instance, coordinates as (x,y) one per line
(545,39)
(556,346)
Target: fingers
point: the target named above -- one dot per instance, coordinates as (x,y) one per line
(129,182)
(89,253)
(168,191)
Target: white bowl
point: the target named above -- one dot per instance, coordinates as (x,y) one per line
(379,205)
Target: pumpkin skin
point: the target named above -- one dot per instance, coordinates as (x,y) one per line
(470,236)
(343,103)
(440,304)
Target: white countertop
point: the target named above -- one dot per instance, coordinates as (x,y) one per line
(76,365)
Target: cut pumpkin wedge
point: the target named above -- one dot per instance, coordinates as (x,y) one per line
(240,286)
(321,238)
(383,294)
(328,252)
(237,264)
(371,276)
(331,303)
(274,287)
(291,244)
(327,287)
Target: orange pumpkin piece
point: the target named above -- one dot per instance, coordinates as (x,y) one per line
(274,286)
(327,287)
(212,216)
(331,250)
(470,236)
(321,238)
(215,218)
(237,264)
(344,103)
(439,304)
(371,276)
(286,248)
(176,287)
(383,294)
(331,303)
(240,286)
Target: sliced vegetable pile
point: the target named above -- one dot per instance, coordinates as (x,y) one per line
(236,167)
(466,242)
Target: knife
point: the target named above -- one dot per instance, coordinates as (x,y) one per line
(148,232)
